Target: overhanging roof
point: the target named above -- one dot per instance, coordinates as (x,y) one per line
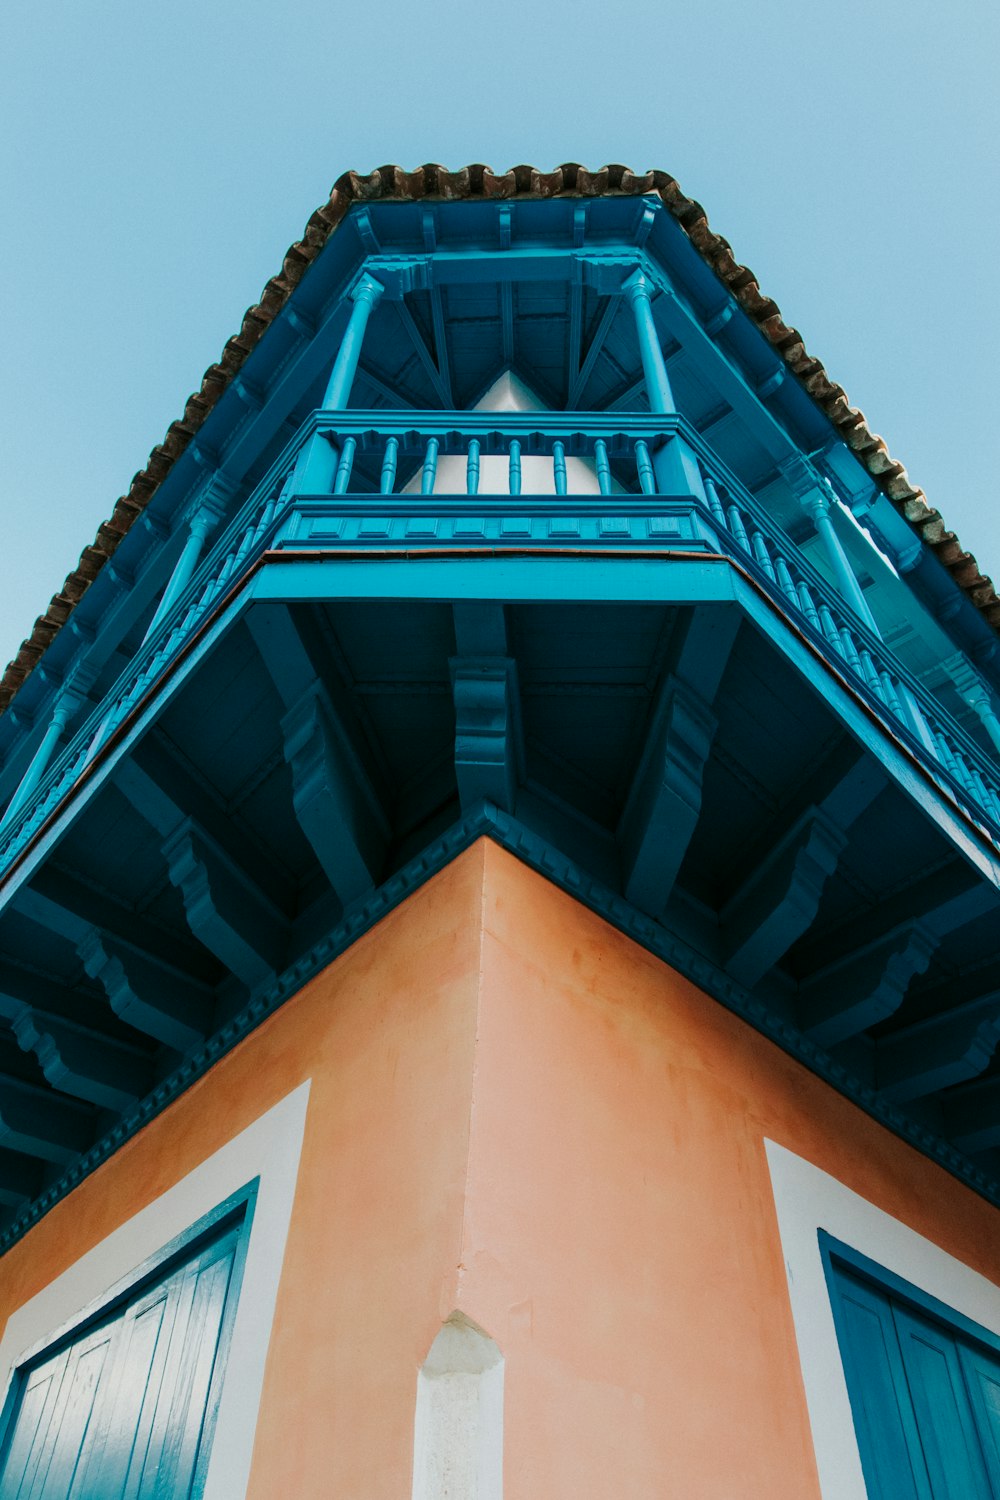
(477,181)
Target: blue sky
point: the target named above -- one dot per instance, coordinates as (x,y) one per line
(157,160)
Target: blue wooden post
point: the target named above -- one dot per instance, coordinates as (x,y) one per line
(317,462)
(676,468)
(40,760)
(199,528)
(818,506)
(979,698)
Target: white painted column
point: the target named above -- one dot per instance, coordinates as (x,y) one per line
(458,1431)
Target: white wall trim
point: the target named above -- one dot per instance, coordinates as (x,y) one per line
(269,1149)
(807,1200)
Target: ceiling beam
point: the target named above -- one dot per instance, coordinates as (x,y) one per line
(663,805)
(336,802)
(84,1064)
(155,998)
(779,896)
(226,910)
(489,753)
(594,348)
(42,1124)
(865,987)
(939,1051)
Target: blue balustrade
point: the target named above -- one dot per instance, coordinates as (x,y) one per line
(375,451)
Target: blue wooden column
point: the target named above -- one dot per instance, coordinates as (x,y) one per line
(675,466)
(200,528)
(40,760)
(817,505)
(317,463)
(979,699)
(816,502)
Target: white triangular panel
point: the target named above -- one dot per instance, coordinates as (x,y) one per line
(509,393)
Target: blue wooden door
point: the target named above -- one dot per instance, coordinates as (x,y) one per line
(121,1410)
(925,1397)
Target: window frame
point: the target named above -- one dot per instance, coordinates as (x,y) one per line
(234,1212)
(833,1250)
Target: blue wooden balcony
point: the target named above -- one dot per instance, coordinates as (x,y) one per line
(386,495)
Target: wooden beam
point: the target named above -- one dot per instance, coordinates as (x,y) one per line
(164,792)
(155,998)
(488,752)
(226,910)
(971,1119)
(507,321)
(436,377)
(51,1021)
(20,1178)
(575,336)
(864,987)
(382,386)
(336,802)
(42,1124)
(441,344)
(605,321)
(83,1064)
(63,904)
(778,899)
(940,903)
(939,1051)
(664,800)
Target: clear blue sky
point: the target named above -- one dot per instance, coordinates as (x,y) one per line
(158,158)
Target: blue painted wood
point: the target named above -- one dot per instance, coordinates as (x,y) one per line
(515,467)
(334,801)
(46,1126)
(779,899)
(155,998)
(472,468)
(122,1406)
(664,803)
(82,1063)
(868,986)
(389,463)
(225,909)
(429,472)
(941,1050)
(345,465)
(924,1385)
(943,1412)
(887,1431)
(981,1369)
(559,466)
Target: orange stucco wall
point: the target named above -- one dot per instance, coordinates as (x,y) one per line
(518,1113)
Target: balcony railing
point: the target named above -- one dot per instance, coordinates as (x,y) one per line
(377,452)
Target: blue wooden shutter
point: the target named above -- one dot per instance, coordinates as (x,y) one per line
(120,1412)
(982,1377)
(880,1400)
(941,1404)
(925,1393)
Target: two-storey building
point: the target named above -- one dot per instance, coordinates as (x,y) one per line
(499,890)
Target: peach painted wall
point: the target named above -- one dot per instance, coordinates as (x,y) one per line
(517,1112)
(620,1235)
(387,1035)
